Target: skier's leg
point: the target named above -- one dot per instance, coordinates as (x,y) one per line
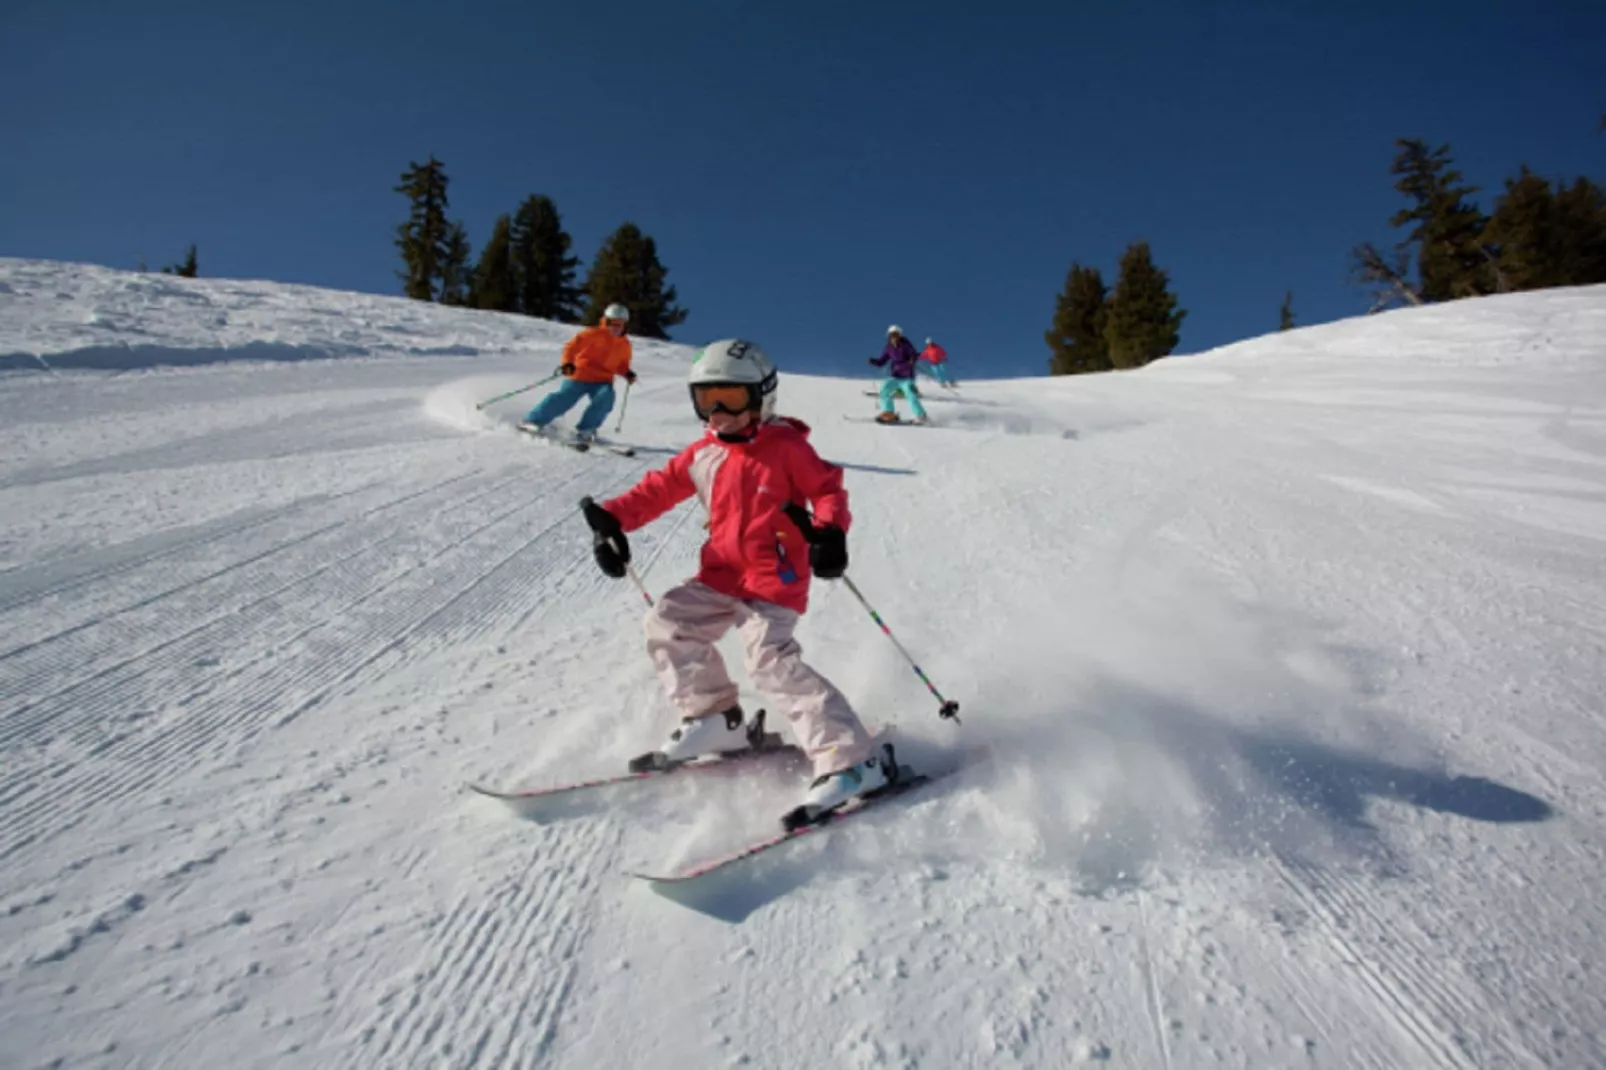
(909,391)
(682,628)
(887,386)
(599,408)
(825,725)
(556,403)
(940,373)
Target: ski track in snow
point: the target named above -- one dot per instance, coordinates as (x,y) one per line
(1288,658)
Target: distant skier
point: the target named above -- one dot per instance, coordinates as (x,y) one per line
(901,356)
(937,357)
(591,359)
(746,469)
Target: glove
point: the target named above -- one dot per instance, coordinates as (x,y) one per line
(872,363)
(608,540)
(828,553)
(630,377)
(567,369)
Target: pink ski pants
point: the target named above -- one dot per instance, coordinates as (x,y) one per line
(681,632)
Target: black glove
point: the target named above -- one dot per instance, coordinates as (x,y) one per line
(828,553)
(608,540)
(630,377)
(872,363)
(566,369)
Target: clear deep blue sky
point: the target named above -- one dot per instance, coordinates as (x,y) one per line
(811,172)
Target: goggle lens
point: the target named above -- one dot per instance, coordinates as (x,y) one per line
(727,396)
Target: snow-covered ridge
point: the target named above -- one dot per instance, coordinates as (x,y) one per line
(62,316)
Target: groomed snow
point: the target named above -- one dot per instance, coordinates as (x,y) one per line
(1290,659)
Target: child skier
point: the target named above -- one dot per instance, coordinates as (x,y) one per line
(900,354)
(746,469)
(590,361)
(936,356)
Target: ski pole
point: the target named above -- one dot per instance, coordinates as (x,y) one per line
(520,390)
(949,708)
(620,426)
(630,570)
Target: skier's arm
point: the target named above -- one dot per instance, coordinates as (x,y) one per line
(622,358)
(571,349)
(820,483)
(656,494)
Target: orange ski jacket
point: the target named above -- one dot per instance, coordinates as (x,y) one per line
(597,355)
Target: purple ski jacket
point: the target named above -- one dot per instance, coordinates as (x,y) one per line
(902,356)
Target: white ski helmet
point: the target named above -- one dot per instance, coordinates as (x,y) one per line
(894,329)
(735,362)
(616,311)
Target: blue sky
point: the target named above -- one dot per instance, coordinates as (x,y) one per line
(811,173)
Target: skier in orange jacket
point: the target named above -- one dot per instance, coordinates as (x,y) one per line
(591,359)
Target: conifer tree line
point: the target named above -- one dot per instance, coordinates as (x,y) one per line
(187,268)
(527,265)
(1097,329)
(1540,234)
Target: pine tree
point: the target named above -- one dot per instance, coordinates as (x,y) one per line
(454,267)
(542,266)
(1549,236)
(1285,315)
(185,269)
(1076,340)
(1142,321)
(423,239)
(1581,219)
(626,269)
(495,285)
(1447,230)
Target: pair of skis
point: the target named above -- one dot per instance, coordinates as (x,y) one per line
(533,802)
(577,445)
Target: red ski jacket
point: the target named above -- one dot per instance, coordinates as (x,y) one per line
(754,550)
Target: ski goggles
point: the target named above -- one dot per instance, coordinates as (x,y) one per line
(734,398)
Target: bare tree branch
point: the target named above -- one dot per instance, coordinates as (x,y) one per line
(1388,279)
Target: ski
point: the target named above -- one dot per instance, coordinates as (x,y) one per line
(900,422)
(578,446)
(908,781)
(532,802)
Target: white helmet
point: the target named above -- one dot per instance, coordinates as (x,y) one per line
(735,362)
(616,311)
(895,329)
(928,341)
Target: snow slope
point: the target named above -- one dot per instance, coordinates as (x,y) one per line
(1289,656)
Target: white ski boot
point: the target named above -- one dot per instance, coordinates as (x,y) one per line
(837,789)
(533,429)
(715,734)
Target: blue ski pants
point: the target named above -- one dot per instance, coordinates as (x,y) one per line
(907,388)
(567,395)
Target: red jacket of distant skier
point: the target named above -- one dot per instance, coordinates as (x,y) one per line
(754,550)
